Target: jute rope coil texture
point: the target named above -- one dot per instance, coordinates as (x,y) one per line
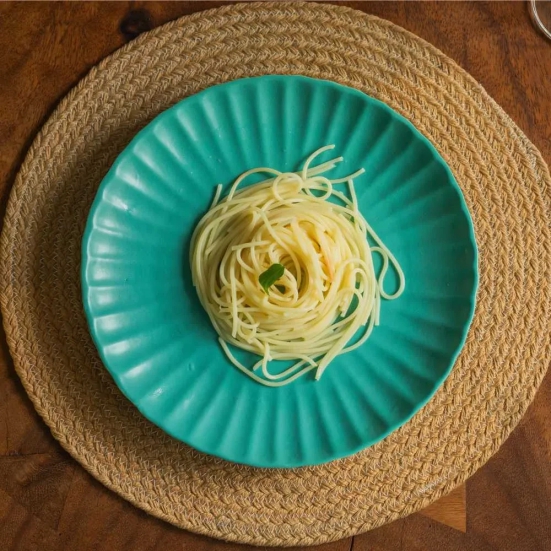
(506,186)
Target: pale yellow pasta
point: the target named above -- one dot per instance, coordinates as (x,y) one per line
(328,290)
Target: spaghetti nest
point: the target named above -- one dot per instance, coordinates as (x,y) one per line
(328,289)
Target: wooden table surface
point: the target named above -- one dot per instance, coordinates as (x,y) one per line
(47,501)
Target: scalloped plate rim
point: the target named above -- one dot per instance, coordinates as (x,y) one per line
(190,100)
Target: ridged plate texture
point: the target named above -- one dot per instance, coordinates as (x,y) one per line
(158,343)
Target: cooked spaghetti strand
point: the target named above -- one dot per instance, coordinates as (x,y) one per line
(329,289)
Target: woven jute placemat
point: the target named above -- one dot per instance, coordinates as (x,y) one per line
(506,185)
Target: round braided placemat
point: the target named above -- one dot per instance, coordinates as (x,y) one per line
(506,186)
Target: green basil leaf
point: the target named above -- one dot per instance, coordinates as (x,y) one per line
(270,276)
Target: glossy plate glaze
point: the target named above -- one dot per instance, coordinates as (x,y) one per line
(158,343)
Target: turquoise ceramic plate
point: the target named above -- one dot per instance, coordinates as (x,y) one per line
(158,343)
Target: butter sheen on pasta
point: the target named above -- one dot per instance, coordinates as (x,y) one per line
(329,289)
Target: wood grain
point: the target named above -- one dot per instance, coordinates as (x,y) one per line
(49,502)
(450,510)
